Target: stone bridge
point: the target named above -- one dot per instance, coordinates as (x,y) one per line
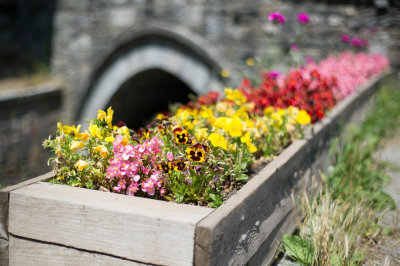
(139,55)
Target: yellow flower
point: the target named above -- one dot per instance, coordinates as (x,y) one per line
(250,61)
(222,107)
(218,140)
(190,124)
(252,148)
(232,147)
(102,149)
(80,165)
(76,145)
(201,134)
(220,122)
(95,131)
(269,110)
(303,118)
(124,130)
(235,95)
(101,115)
(109,118)
(276,120)
(109,139)
(60,126)
(84,136)
(124,141)
(246,139)
(234,127)
(225,73)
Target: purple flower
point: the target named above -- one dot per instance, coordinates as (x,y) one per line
(277,18)
(273,74)
(303,18)
(294,47)
(345,38)
(356,42)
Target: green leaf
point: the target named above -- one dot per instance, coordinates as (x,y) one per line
(381,200)
(386,231)
(299,249)
(242,177)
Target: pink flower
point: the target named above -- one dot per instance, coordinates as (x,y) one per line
(162,192)
(294,47)
(170,156)
(345,38)
(309,60)
(132,189)
(303,18)
(277,18)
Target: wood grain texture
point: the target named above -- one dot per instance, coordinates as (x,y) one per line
(32,253)
(4,201)
(139,229)
(255,218)
(3,252)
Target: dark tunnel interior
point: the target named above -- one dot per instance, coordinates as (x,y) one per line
(144,95)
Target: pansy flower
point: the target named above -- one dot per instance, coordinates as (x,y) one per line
(180,164)
(181,135)
(197,152)
(165,167)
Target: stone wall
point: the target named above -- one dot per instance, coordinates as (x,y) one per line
(88,32)
(27,117)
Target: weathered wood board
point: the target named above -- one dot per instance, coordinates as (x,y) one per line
(249,226)
(134,228)
(27,252)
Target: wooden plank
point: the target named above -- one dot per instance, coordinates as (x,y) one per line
(27,252)
(4,200)
(3,252)
(250,220)
(236,230)
(139,229)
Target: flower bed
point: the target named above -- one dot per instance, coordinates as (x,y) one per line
(239,231)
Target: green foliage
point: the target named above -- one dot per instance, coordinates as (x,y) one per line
(346,207)
(299,249)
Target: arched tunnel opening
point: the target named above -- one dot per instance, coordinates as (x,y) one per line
(146,94)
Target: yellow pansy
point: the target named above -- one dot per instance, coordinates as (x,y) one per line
(235,95)
(109,118)
(225,73)
(201,134)
(101,115)
(252,148)
(303,118)
(276,120)
(232,147)
(222,107)
(124,141)
(80,165)
(269,110)
(218,140)
(102,149)
(246,139)
(84,136)
(109,139)
(76,145)
(220,122)
(234,127)
(95,131)
(250,61)
(190,123)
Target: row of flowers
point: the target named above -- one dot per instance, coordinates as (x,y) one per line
(202,153)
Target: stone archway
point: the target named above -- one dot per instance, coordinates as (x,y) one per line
(162,54)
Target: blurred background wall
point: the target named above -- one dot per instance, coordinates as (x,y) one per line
(62,60)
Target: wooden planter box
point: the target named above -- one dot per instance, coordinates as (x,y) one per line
(49,224)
